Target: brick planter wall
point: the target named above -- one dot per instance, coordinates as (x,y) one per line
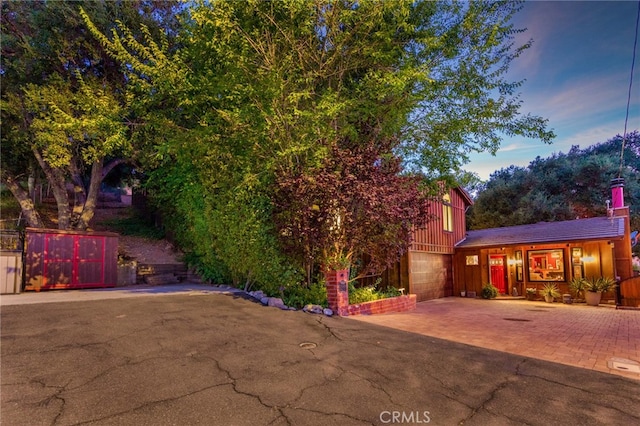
(338,298)
(383,306)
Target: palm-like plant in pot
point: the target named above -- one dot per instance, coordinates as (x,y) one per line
(550,291)
(595,287)
(577,287)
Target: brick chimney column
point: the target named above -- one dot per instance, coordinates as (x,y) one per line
(338,291)
(622,249)
(617,193)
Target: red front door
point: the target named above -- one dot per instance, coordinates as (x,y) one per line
(497,272)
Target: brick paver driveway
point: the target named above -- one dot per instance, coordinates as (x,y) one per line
(577,335)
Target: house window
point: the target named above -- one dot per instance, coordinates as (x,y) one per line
(447,213)
(472,260)
(546,265)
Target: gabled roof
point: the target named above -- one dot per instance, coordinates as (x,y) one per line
(596,228)
(465,195)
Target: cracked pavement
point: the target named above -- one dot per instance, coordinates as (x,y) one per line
(219,359)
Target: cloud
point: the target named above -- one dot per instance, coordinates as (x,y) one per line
(584,97)
(545,23)
(577,77)
(517,146)
(597,134)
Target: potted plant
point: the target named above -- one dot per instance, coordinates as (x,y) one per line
(577,287)
(531,293)
(550,291)
(595,287)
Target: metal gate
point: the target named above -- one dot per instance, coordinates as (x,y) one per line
(65,259)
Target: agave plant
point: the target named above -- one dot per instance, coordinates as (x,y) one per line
(577,286)
(600,284)
(551,290)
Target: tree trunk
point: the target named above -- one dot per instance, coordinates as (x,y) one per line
(92,197)
(57,181)
(83,212)
(79,191)
(26,204)
(62,202)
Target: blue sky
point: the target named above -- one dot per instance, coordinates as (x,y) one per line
(577,76)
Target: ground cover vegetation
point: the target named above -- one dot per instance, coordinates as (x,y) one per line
(561,187)
(279,137)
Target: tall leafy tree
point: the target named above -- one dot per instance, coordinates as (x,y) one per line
(63,105)
(262,94)
(466,103)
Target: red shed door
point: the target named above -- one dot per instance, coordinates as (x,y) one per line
(498,272)
(58,261)
(74,261)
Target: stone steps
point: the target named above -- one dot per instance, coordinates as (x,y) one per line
(164,273)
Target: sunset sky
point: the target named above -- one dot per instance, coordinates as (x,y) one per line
(577,75)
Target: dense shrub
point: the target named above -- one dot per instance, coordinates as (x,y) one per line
(227,237)
(370,293)
(299,295)
(489,291)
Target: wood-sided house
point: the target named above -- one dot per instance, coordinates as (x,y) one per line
(515,258)
(444,259)
(426,269)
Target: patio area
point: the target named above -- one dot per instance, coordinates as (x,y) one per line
(597,338)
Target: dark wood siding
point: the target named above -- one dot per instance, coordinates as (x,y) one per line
(630,292)
(467,277)
(431,252)
(472,277)
(427,269)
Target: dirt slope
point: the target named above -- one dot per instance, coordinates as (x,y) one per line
(144,250)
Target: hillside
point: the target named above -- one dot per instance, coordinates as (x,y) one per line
(110,216)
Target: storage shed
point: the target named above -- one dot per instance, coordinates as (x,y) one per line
(70,259)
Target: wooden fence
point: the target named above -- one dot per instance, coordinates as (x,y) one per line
(630,292)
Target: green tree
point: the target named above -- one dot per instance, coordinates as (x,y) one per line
(260,91)
(63,110)
(561,187)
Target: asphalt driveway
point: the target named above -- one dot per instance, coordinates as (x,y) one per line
(218,359)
